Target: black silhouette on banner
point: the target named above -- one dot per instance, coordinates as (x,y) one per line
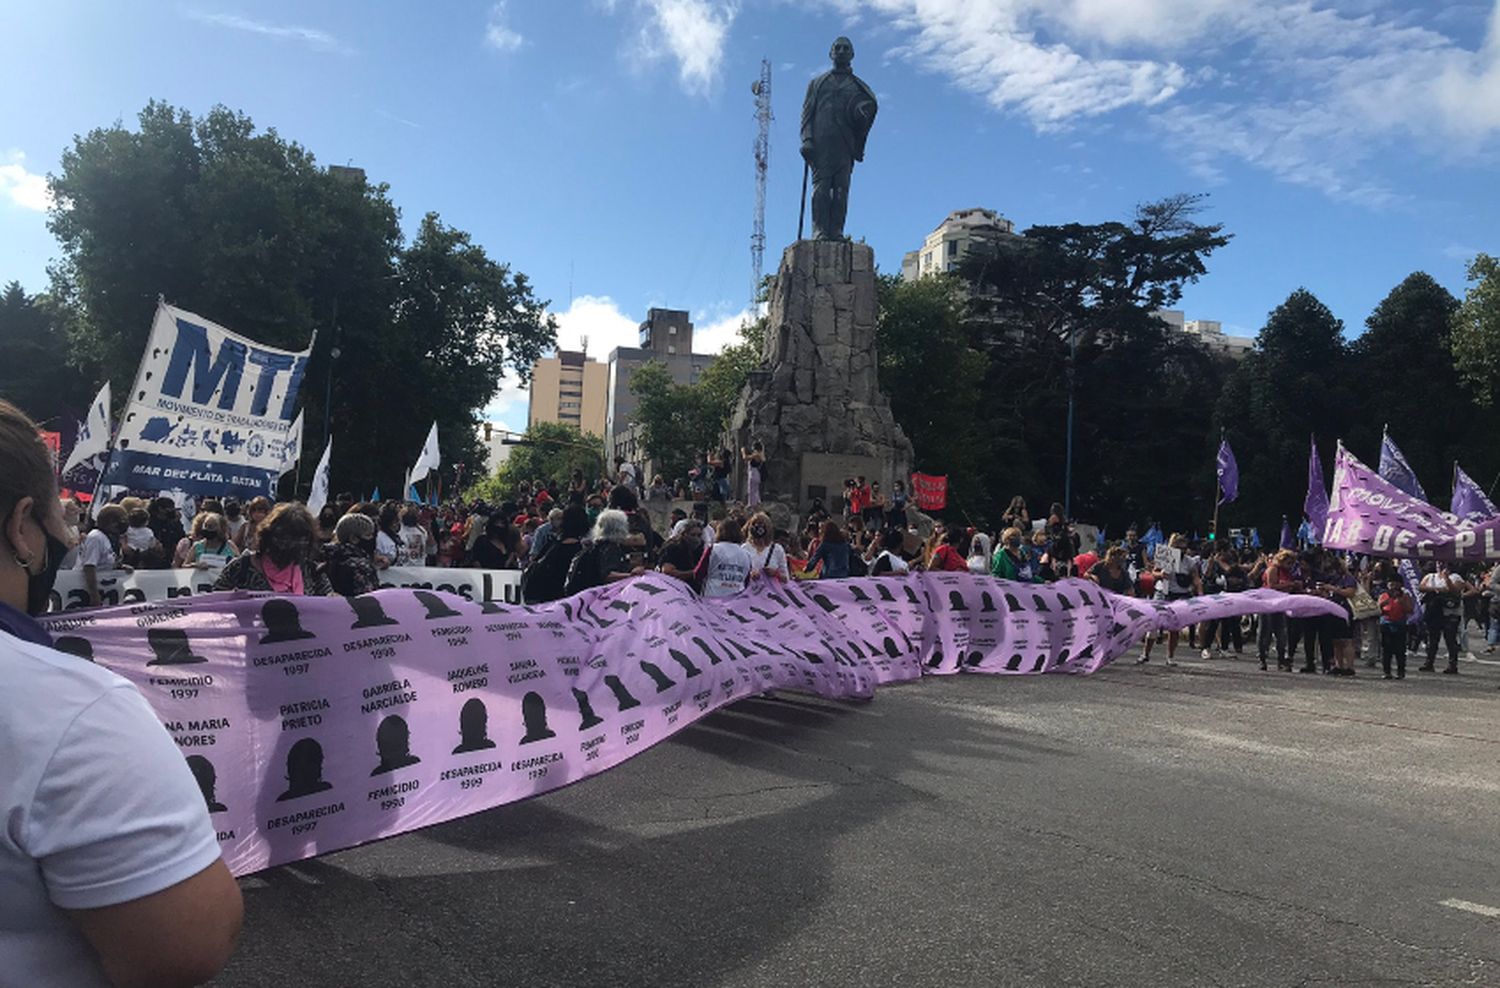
(393,742)
(586,711)
(437,608)
(304,771)
(657,676)
(622,695)
(473,727)
(203,772)
(534,715)
(170,646)
(685,662)
(369,614)
(283,623)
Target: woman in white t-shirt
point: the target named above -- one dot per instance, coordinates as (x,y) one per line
(110,868)
(1177,578)
(725,567)
(979,554)
(767,557)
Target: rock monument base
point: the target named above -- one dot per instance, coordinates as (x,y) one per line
(816,403)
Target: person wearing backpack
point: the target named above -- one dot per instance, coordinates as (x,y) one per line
(545,579)
(604,559)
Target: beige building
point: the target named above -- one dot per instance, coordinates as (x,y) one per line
(946,246)
(1209,332)
(666,337)
(569,388)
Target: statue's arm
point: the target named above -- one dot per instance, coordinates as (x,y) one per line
(809,107)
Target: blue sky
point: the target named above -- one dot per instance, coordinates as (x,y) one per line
(604,146)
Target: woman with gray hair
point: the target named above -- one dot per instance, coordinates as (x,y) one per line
(349,560)
(604,561)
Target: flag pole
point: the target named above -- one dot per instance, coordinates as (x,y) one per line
(1218,491)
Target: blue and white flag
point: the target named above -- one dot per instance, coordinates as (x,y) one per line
(93,433)
(211,411)
(319,495)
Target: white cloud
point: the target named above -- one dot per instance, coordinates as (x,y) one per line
(310,36)
(693,32)
(598,320)
(23,188)
(497,31)
(712,336)
(1312,92)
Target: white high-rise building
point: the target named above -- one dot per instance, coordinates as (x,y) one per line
(946,246)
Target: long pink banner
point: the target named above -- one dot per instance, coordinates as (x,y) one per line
(314,724)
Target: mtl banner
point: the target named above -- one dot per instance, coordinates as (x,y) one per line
(1369,514)
(210,414)
(317,723)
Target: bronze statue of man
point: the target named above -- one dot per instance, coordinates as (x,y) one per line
(836,119)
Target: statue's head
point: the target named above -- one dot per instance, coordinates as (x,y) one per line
(842,52)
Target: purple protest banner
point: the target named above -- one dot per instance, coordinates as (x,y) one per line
(1371,515)
(1229,472)
(1470,502)
(1315,504)
(317,723)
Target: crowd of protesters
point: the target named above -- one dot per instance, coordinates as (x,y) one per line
(568,535)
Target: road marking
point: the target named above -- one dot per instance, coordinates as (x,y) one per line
(1472,907)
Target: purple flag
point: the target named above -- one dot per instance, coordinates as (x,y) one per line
(1288,541)
(1393,467)
(1229,473)
(1315,505)
(1470,503)
(1369,514)
(317,723)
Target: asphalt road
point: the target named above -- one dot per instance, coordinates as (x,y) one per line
(1203,825)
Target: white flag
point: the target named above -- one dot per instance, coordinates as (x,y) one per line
(292,451)
(319,495)
(428,461)
(93,437)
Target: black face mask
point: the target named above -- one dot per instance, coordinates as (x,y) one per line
(39,585)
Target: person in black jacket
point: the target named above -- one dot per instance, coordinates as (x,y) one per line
(544,580)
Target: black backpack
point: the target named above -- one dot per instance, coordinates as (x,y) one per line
(546,579)
(583,571)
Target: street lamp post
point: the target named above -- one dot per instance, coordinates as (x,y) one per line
(1068,455)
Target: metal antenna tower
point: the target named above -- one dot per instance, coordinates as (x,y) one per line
(762,90)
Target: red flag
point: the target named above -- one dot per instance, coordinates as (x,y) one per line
(931,493)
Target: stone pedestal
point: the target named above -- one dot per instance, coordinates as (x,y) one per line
(816,403)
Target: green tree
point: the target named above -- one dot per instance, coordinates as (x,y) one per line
(33,375)
(934,376)
(1293,385)
(1476,329)
(1079,301)
(548,451)
(245,228)
(1402,373)
(722,381)
(677,420)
